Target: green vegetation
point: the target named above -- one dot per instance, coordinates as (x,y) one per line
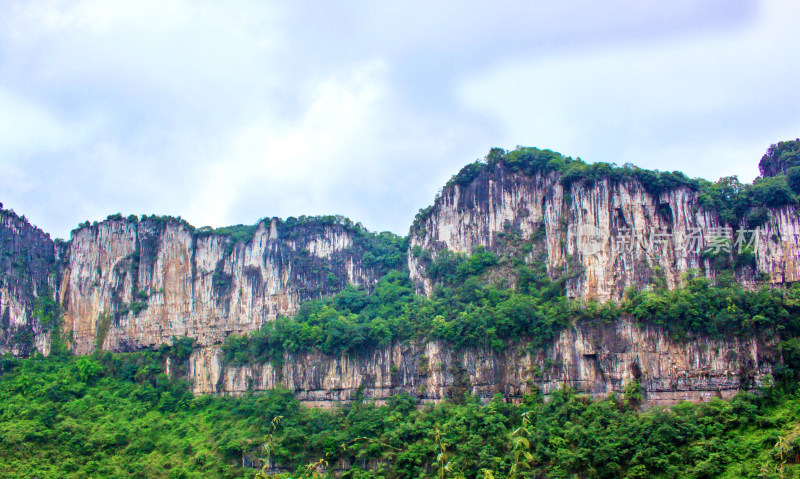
(118,415)
(109,416)
(532,161)
(291,226)
(469,313)
(163,219)
(45,309)
(233,234)
(101,328)
(722,308)
(780,158)
(467,309)
(735,203)
(236,233)
(451,268)
(384,251)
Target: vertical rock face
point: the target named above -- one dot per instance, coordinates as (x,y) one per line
(777,246)
(27,259)
(126,284)
(611,234)
(596,359)
(129,285)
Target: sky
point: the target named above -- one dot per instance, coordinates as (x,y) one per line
(228,112)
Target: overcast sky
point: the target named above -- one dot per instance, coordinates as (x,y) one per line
(227,112)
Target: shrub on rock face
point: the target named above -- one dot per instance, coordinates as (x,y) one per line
(780,158)
(772,192)
(793,178)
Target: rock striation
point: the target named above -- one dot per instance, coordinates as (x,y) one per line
(28,262)
(132,284)
(593,358)
(126,284)
(613,234)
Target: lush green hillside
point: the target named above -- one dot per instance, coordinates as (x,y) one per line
(116,415)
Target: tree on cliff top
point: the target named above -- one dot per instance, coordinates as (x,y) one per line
(780,157)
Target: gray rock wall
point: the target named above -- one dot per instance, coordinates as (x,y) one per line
(614,232)
(130,285)
(595,358)
(28,259)
(124,285)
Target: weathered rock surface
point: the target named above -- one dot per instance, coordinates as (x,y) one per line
(27,261)
(596,359)
(124,285)
(613,234)
(130,285)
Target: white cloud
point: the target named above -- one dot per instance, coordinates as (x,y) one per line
(24,126)
(721,97)
(228,112)
(303,160)
(98,17)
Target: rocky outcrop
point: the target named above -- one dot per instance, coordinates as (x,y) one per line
(593,358)
(130,284)
(777,246)
(134,284)
(28,286)
(780,157)
(611,234)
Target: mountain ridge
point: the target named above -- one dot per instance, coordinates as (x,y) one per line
(130,283)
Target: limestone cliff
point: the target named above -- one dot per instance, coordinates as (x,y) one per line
(611,233)
(28,286)
(593,358)
(134,284)
(130,284)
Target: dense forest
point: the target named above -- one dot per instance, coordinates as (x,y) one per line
(118,415)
